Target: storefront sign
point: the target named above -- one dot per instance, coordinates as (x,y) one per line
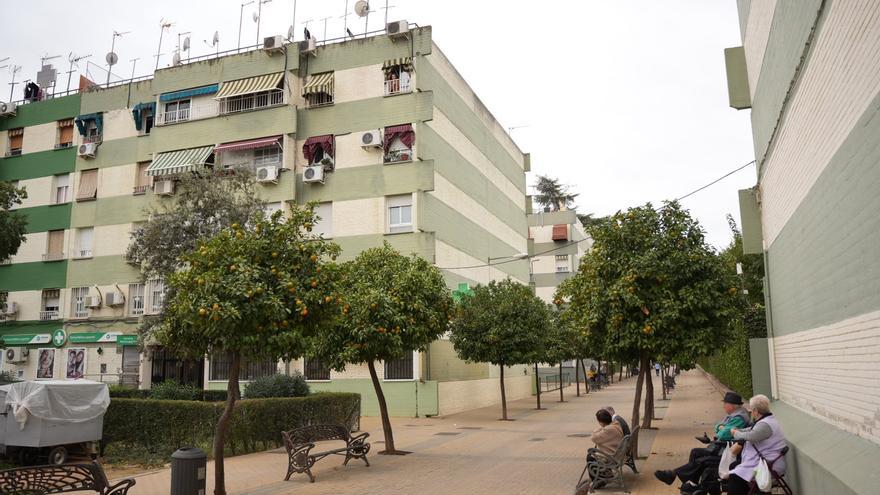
(127,340)
(100,337)
(59,337)
(27,339)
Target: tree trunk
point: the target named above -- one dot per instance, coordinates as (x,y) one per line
(649,400)
(538,386)
(561,395)
(620,376)
(577,378)
(586,380)
(383,410)
(638,399)
(663,380)
(611,371)
(223,424)
(503,396)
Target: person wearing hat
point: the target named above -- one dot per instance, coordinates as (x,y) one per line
(737,418)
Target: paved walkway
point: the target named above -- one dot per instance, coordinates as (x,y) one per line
(473,453)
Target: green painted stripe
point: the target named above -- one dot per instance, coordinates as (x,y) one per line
(369,181)
(29,327)
(557,247)
(404,399)
(42,112)
(46,218)
(213,71)
(33,276)
(363,52)
(123,151)
(420,243)
(38,164)
(363,115)
(550,279)
(110,211)
(117,97)
(101,270)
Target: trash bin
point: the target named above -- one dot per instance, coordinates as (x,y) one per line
(188,471)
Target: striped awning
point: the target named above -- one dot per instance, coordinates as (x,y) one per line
(65,123)
(319,83)
(173,162)
(189,93)
(249,85)
(250,144)
(405,62)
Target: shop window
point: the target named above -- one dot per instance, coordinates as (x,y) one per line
(400,369)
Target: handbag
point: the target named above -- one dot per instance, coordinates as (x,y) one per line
(763,477)
(727,458)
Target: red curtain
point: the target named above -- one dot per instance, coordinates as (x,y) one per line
(404,132)
(312,143)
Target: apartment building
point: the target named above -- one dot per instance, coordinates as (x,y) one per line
(382,131)
(557,242)
(810,72)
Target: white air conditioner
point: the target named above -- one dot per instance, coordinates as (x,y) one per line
(93,302)
(115,299)
(397,29)
(16,354)
(7,108)
(371,139)
(315,173)
(88,150)
(11,309)
(308,46)
(267,174)
(163,187)
(273,43)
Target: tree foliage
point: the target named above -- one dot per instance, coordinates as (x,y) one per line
(552,195)
(12,223)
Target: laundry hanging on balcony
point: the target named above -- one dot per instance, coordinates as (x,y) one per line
(319,83)
(404,132)
(174,162)
(266,82)
(404,63)
(312,144)
(83,120)
(138,110)
(249,144)
(189,93)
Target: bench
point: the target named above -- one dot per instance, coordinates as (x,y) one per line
(43,480)
(300,442)
(604,468)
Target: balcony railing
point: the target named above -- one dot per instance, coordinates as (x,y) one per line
(53,256)
(315,100)
(187,114)
(252,164)
(138,190)
(397,86)
(13,152)
(254,101)
(83,253)
(398,156)
(52,314)
(63,145)
(94,138)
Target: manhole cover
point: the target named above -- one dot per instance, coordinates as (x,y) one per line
(448,433)
(580,435)
(537,439)
(470,427)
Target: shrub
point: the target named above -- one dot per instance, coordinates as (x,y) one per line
(171,390)
(7,377)
(138,429)
(214,395)
(277,386)
(127,392)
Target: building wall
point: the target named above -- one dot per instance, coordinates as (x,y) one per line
(463,395)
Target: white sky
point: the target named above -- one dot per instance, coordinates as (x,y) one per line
(625,100)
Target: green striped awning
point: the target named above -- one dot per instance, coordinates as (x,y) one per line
(319,83)
(173,162)
(238,87)
(389,64)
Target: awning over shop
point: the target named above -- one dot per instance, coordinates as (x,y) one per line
(249,85)
(404,132)
(173,162)
(319,83)
(189,93)
(403,62)
(249,145)
(560,232)
(82,120)
(137,111)
(312,143)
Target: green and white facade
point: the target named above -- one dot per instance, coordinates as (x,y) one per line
(810,72)
(441,178)
(557,242)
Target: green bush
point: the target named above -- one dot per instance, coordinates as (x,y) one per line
(171,390)
(127,392)
(150,429)
(214,395)
(732,364)
(277,386)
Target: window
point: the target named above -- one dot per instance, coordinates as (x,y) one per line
(267,156)
(314,369)
(88,185)
(65,133)
(84,238)
(398,143)
(399,369)
(248,370)
(16,137)
(78,302)
(146,121)
(54,246)
(135,299)
(93,134)
(141,179)
(157,296)
(398,76)
(319,150)
(51,302)
(177,111)
(272,207)
(562,265)
(399,213)
(324,223)
(62,189)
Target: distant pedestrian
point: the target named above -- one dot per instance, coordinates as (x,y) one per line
(657,368)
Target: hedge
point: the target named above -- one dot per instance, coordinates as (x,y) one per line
(123,392)
(732,364)
(160,427)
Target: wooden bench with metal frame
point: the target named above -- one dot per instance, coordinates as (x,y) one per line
(44,480)
(300,442)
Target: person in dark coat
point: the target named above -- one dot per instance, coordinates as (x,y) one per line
(619,419)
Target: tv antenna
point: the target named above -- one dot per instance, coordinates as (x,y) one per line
(15,69)
(362,9)
(325,27)
(292,31)
(163,25)
(73,59)
(306,33)
(240,19)
(386,8)
(47,75)
(215,42)
(258,16)
(111,57)
(185,46)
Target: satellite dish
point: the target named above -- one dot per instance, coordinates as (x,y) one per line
(111,58)
(256,17)
(175,60)
(186,43)
(362,8)
(290,32)
(216,39)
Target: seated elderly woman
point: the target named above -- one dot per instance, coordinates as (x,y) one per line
(764,439)
(607,438)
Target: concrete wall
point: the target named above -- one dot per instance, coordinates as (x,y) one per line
(463,395)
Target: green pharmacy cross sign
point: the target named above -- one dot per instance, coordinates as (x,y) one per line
(462,291)
(59,337)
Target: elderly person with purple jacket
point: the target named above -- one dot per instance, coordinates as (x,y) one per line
(764,439)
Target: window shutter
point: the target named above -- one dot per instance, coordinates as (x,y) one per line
(65,135)
(88,185)
(142,178)
(56,243)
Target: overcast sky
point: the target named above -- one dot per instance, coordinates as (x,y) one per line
(624,100)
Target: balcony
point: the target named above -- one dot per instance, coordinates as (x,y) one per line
(396,156)
(140,190)
(82,254)
(397,86)
(250,102)
(94,138)
(50,315)
(187,114)
(316,100)
(61,146)
(13,152)
(53,256)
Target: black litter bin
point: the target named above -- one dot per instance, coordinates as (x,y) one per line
(188,471)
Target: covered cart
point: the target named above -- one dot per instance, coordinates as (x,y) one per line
(51,418)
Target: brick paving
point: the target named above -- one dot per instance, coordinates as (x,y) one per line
(474,453)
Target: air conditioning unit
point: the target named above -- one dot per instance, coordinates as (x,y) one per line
(273,43)
(16,354)
(11,309)
(308,46)
(397,29)
(93,302)
(7,108)
(315,173)
(371,139)
(164,187)
(267,174)
(115,299)
(88,150)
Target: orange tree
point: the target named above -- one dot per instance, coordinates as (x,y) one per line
(258,291)
(650,288)
(502,323)
(392,305)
